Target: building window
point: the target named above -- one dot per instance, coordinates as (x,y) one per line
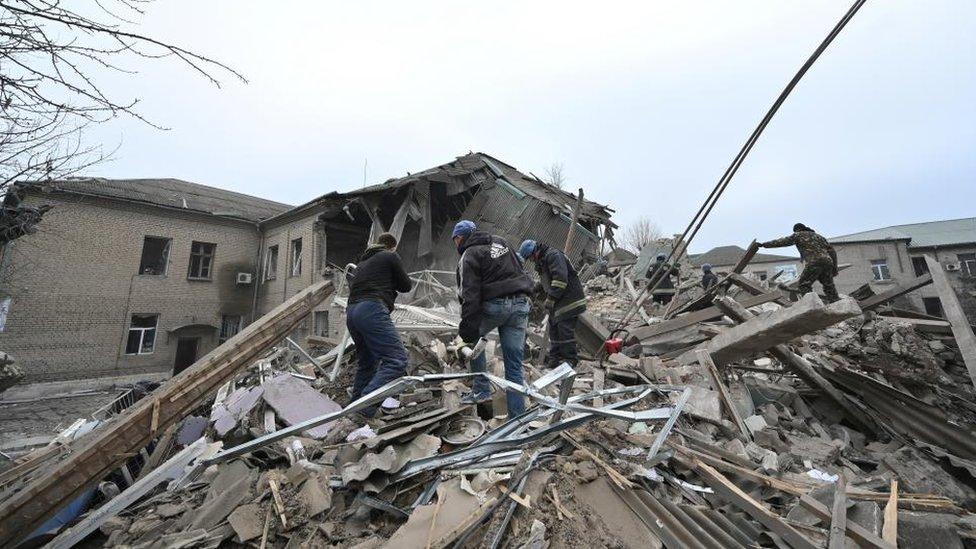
(271,263)
(230,325)
(761,275)
(296,257)
(142,335)
(933,306)
(322,323)
(155,254)
(967,264)
(201,260)
(880,269)
(919,266)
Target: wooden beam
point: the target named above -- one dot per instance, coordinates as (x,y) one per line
(858,533)
(889,532)
(93,457)
(753,288)
(710,294)
(838,515)
(572,223)
(897,291)
(706,362)
(732,493)
(961,330)
(703,315)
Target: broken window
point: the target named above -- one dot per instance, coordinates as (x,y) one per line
(967,264)
(230,325)
(296,257)
(919,266)
(155,254)
(880,269)
(142,335)
(201,260)
(271,263)
(933,306)
(322,323)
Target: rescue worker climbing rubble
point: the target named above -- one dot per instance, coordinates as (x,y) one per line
(373,289)
(819,259)
(494,290)
(660,270)
(565,301)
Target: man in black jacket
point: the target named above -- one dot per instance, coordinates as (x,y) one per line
(372,292)
(494,292)
(564,299)
(660,270)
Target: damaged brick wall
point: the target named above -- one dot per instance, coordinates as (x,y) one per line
(74,284)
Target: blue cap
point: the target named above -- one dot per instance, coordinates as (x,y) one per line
(707,267)
(527,248)
(463,228)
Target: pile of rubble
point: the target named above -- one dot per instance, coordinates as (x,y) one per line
(752,421)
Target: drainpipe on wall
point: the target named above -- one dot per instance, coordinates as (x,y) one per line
(257,273)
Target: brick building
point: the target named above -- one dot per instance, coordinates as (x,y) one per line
(128,277)
(891,255)
(137,277)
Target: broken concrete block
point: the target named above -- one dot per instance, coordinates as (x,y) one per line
(587,471)
(247,522)
(925,530)
(767,330)
(316,495)
(296,401)
(755,423)
(736,447)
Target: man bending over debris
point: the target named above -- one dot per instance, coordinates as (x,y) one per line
(661,270)
(819,259)
(372,291)
(494,292)
(564,299)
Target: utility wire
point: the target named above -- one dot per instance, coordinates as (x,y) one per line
(706,208)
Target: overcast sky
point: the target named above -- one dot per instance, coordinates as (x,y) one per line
(644,103)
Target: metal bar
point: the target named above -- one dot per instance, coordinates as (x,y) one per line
(666,429)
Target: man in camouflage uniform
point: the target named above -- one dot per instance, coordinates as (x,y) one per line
(819,258)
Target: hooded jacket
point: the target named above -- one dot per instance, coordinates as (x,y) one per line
(560,281)
(379,276)
(488,268)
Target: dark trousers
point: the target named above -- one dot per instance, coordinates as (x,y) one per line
(381,355)
(822,271)
(562,340)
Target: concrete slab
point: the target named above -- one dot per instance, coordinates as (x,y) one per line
(604,503)
(769,329)
(247,522)
(296,401)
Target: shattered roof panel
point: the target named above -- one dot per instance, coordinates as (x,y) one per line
(730,255)
(922,235)
(171,193)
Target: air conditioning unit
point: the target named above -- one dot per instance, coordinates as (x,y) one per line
(245,278)
(952,267)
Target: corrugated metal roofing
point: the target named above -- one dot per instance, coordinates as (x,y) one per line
(172,193)
(922,235)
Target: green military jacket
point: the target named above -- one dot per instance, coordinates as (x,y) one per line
(812,246)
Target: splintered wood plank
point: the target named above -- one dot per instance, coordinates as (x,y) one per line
(899,290)
(705,360)
(889,532)
(838,516)
(961,330)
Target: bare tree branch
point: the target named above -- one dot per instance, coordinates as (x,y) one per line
(555,175)
(51,57)
(638,234)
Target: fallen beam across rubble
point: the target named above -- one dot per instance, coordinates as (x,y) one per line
(759,333)
(106,449)
(961,330)
(704,315)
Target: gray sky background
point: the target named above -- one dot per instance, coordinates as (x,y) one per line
(644,103)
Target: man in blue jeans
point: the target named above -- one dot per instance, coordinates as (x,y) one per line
(372,292)
(494,290)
